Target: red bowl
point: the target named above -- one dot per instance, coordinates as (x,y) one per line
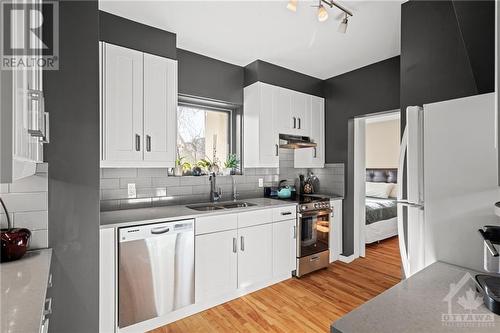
(14,243)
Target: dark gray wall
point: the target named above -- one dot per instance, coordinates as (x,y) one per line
(72,99)
(447,50)
(279,76)
(120,31)
(206,77)
(370,89)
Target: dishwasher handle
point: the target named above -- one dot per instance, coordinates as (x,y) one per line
(160,230)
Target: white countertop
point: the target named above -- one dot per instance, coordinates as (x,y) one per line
(23,289)
(420,304)
(131,217)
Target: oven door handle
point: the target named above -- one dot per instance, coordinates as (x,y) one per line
(315,213)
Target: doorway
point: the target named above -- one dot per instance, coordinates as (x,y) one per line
(376,162)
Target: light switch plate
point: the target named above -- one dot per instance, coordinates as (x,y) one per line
(132,193)
(261,182)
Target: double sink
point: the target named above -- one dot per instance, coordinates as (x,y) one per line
(204,207)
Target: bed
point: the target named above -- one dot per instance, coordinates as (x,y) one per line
(381,207)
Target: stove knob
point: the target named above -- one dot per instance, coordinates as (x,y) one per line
(303,207)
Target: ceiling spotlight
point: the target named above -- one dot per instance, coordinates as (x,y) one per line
(343,25)
(322,13)
(292,5)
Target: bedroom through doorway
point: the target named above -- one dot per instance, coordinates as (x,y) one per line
(376,163)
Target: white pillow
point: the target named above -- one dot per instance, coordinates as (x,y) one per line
(394,192)
(378,190)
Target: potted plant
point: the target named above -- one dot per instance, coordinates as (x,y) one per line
(179,161)
(230,164)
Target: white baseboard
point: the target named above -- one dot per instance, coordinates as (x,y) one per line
(347,259)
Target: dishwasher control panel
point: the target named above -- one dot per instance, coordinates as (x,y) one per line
(152,230)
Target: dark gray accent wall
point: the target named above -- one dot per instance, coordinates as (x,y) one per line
(447,50)
(72,99)
(283,77)
(370,89)
(206,77)
(123,32)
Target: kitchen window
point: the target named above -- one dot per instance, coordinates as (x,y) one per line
(205,133)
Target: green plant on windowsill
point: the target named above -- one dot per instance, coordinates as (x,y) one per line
(181,166)
(231,164)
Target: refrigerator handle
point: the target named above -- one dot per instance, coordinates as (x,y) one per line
(401,231)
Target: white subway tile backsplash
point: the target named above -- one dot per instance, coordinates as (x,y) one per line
(114,194)
(119,173)
(143,182)
(193,180)
(179,190)
(35,183)
(110,183)
(25,202)
(165,181)
(32,220)
(152,172)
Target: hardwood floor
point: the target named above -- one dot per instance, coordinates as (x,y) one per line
(309,304)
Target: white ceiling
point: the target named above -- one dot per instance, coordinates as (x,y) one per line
(241,32)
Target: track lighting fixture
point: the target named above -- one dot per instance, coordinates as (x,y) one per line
(343,25)
(323,13)
(292,5)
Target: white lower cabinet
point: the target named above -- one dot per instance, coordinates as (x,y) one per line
(255,260)
(216,261)
(284,248)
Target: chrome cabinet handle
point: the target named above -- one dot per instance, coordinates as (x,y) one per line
(137,142)
(161,230)
(294,232)
(294,122)
(235,245)
(300,125)
(315,152)
(49,283)
(315,258)
(286,213)
(242,240)
(148,143)
(277,150)
(48,307)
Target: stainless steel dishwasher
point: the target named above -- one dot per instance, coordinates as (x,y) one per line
(156,270)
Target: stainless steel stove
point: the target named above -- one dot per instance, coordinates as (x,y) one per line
(313,229)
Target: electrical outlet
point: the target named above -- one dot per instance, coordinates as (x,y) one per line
(132,194)
(261,182)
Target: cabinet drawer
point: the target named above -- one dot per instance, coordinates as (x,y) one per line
(255,217)
(205,225)
(284,213)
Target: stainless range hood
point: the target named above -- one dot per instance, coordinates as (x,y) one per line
(295,142)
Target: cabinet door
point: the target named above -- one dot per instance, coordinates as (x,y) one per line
(283,111)
(284,248)
(301,111)
(160,109)
(123,104)
(255,258)
(216,265)
(314,157)
(268,135)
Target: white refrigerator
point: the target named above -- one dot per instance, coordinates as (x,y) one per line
(451,185)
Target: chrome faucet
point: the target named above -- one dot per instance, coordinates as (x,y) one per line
(235,190)
(215,194)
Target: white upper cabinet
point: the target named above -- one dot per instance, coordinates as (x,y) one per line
(160,109)
(260,142)
(314,157)
(24,124)
(122,118)
(270,111)
(138,108)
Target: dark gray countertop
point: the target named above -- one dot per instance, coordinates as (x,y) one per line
(130,217)
(423,303)
(23,289)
